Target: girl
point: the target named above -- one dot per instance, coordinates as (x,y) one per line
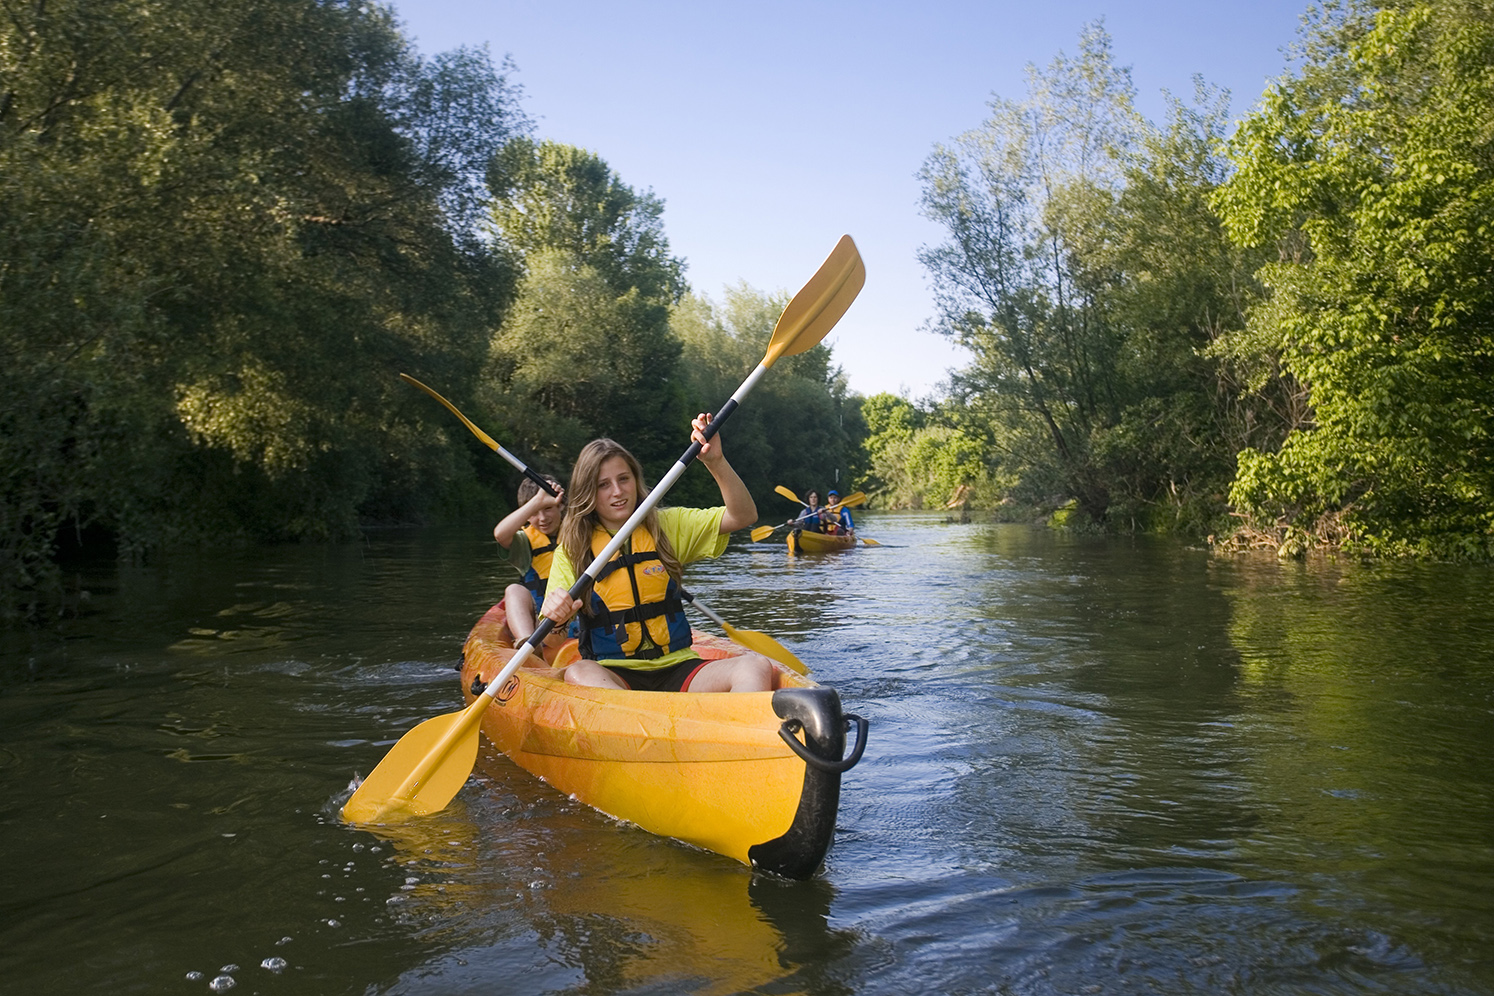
(633,630)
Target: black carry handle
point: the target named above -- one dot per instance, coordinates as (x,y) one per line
(792,726)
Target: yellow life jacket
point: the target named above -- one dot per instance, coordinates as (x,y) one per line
(632,596)
(541,553)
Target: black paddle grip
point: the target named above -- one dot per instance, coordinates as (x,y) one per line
(547,625)
(710,430)
(539,479)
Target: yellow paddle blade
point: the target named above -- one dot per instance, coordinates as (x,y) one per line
(814,311)
(870,542)
(487,440)
(788,494)
(762,532)
(422,772)
(767,646)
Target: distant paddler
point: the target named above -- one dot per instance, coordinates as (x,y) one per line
(836,519)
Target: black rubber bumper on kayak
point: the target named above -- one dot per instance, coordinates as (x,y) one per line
(815,713)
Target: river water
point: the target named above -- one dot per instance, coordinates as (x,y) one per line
(1095,766)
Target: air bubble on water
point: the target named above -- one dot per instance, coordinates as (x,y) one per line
(230,967)
(394,899)
(276,965)
(194,976)
(222,984)
(376,849)
(411,880)
(357,847)
(283,940)
(334,923)
(339,899)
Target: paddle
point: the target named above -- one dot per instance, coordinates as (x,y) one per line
(790,495)
(422,772)
(751,639)
(519,552)
(853,500)
(487,440)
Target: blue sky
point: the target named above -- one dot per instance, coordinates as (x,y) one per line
(769,129)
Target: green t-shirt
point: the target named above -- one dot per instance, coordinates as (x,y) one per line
(694,533)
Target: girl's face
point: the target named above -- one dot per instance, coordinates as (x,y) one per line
(617,493)
(814,499)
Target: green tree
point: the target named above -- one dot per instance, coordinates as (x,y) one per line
(588,349)
(803,428)
(223,228)
(576,360)
(547,195)
(1367,174)
(1087,274)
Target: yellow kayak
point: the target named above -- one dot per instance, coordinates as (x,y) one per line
(751,775)
(803,541)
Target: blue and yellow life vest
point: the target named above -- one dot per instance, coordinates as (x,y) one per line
(541,553)
(633,593)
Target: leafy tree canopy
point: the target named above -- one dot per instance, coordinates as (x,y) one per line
(1368,176)
(1086,272)
(223,229)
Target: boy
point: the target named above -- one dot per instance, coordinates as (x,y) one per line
(538,519)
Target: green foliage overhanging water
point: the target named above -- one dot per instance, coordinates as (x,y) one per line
(1293,324)
(226,227)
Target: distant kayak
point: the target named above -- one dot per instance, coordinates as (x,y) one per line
(751,775)
(803,541)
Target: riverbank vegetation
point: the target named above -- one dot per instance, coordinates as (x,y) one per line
(225,228)
(1282,336)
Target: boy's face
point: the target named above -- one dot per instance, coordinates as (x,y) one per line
(547,519)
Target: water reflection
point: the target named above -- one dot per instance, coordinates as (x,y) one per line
(604,907)
(1096,766)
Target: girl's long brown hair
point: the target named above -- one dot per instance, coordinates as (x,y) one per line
(581,518)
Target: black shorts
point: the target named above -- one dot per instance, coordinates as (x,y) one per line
(674,678)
